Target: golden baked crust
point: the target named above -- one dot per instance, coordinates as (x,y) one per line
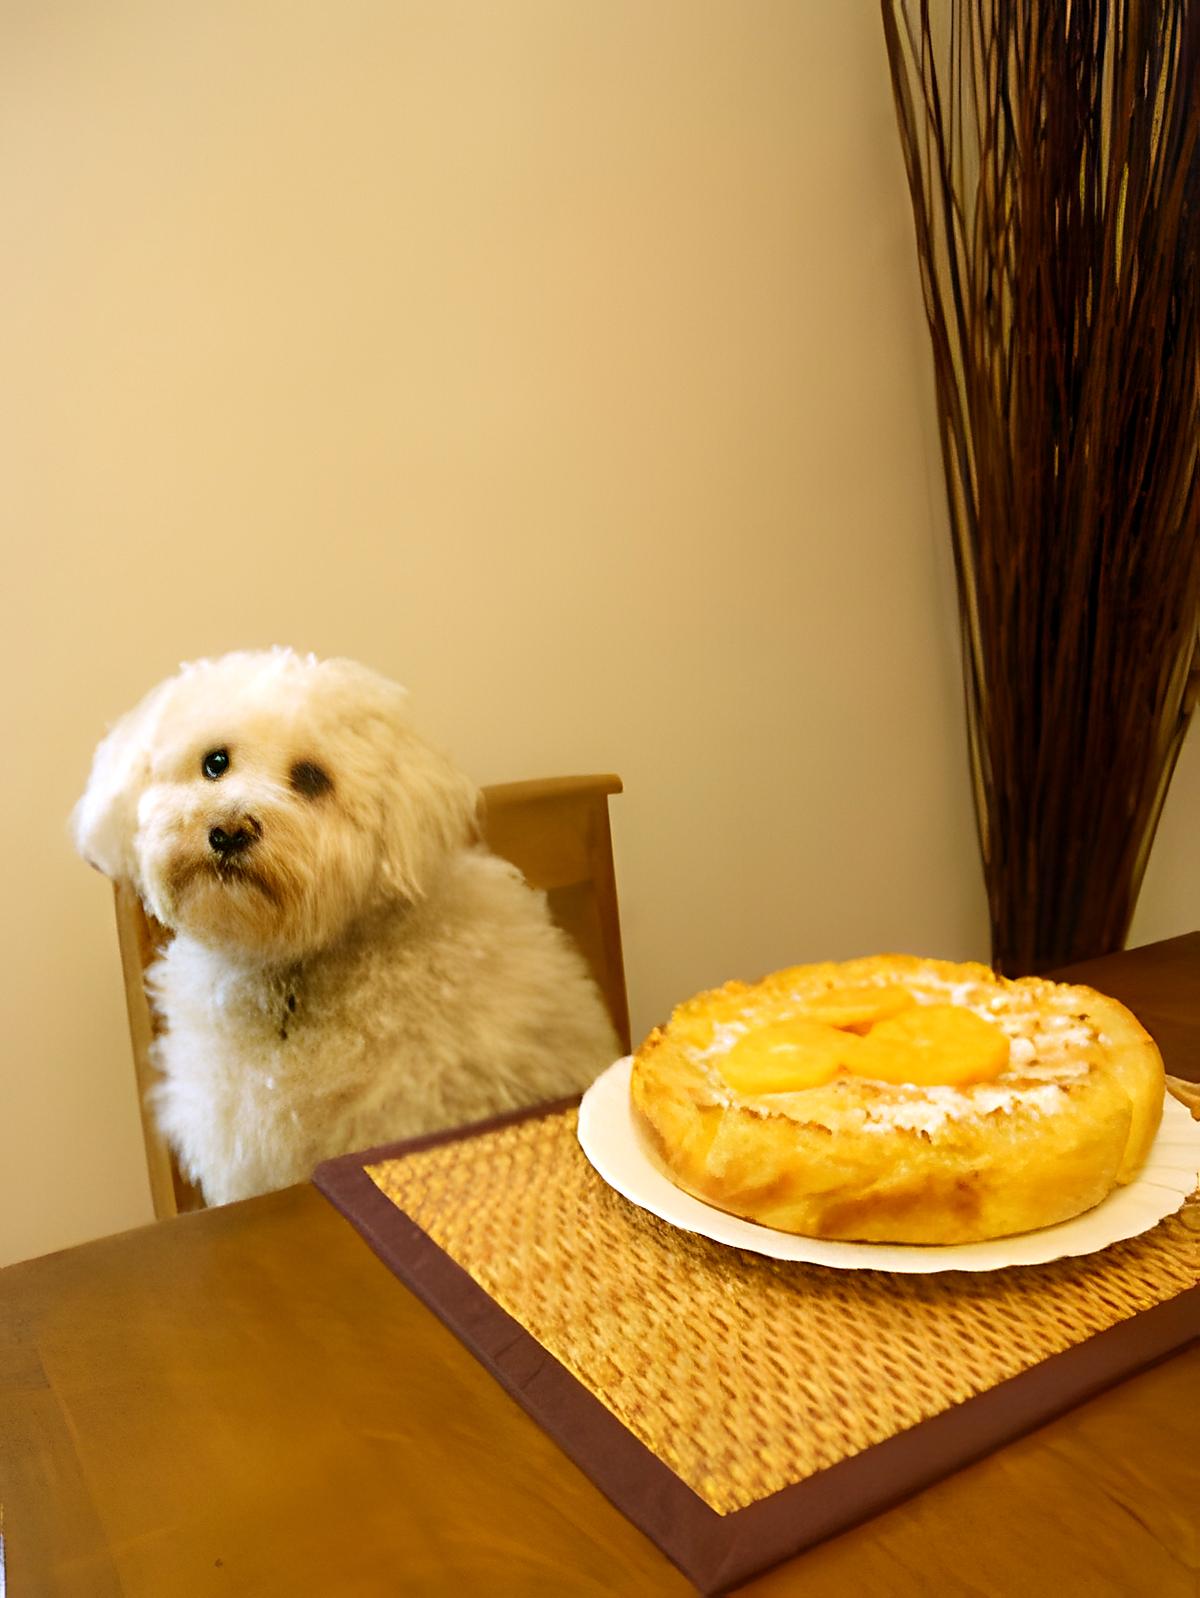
(1071,1116)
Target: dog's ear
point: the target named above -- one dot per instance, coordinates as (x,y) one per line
(104,821)
(430,809)
(427,806)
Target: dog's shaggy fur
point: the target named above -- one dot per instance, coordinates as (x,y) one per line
(350,966)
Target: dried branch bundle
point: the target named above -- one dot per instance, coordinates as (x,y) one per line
(1054,166)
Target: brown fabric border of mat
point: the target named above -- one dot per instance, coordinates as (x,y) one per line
(718,1552)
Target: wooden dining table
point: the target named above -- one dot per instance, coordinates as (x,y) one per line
(247,1401)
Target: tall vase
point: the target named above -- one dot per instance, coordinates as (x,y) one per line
(1053,161)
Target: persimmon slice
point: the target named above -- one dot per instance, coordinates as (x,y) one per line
(857,1009)
(932,1045)
(788,1056)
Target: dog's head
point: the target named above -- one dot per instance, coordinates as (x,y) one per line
(264,801)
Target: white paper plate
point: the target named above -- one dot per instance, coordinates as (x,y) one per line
(614,1145)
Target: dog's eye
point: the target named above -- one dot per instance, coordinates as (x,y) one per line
(215,764)
(309,779)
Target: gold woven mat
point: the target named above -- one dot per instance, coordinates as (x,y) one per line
(743,1374)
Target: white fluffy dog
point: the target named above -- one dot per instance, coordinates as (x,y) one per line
(350,966)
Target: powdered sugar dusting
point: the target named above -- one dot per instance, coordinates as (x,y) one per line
(725,1035)
(937,1105)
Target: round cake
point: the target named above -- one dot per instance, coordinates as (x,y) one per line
(900,1100)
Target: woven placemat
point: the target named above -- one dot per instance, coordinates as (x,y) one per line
(738,1407)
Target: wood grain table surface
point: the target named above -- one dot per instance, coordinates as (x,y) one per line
(245,1401)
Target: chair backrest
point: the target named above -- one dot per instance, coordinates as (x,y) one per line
(555,831)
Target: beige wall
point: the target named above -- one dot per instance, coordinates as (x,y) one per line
(563,360)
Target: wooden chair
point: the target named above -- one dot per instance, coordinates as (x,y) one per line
(555,831)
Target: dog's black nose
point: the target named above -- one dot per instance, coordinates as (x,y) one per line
(227,843)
